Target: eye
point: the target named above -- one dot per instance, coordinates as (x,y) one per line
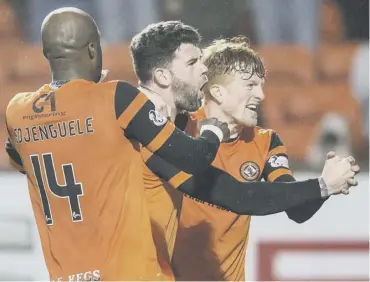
(250,85)
(192,62)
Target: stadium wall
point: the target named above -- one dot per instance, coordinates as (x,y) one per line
(333,245)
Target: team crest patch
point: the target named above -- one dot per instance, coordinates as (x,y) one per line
(157,118)
(250,171)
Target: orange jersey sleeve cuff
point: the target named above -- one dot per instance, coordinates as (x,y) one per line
(277,173)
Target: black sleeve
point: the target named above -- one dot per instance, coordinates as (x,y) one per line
(217,187)
(137,116)
(303,212)
(14,155)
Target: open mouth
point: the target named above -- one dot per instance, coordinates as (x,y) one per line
(204,84)
(253,108)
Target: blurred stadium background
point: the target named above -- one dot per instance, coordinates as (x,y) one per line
(317,99)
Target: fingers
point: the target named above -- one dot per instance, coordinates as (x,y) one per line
(224,124)
(345,191)
(351,160)
(345,164)
(352,182)
(330,155)
(349,172)
(211,120)
(355,169)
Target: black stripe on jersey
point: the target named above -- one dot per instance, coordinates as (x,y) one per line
(182,120)
(268,168)
(275,141)
(125,94)
(12,152)
(161,168)
(141,127)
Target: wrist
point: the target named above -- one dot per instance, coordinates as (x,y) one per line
(216,130)
(323,188)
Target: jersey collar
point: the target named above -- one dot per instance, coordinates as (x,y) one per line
(57,84)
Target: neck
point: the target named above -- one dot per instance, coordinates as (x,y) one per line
(212,109)
(66,70)
(162,99)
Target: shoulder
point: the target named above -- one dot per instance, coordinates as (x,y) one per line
(109,86)
(265,139)
(270,135)
(258,134)
(120,85)
(265,132)
(19,102)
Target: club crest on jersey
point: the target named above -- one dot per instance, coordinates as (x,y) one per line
(157,118)
(249,171)
(278,161)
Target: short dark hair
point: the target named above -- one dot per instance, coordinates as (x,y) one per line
(224,56)
(155,45)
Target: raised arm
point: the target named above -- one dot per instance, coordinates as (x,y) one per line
(217,187)
(139,119)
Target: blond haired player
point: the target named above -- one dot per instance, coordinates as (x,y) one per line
(218,239)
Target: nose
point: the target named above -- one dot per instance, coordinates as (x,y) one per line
(204,69)
(259,94)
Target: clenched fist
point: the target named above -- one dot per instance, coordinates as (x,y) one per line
(219,128)
(354,167)
(338,174)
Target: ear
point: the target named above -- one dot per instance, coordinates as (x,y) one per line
(218,92)
(91,50)
(45,55)
(162,77)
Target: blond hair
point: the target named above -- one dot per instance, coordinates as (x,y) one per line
(225,56)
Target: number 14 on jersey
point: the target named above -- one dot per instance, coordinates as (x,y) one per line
(70,190)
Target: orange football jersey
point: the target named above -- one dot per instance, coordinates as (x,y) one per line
(85,175)
(164,204)
(211,243)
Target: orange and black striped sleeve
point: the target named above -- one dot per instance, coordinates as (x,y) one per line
(218,188)
(277,170)
(139,119)
(277,164)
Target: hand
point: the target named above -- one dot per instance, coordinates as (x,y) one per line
(354,167)
(337,173)
(221,129)
(159,103)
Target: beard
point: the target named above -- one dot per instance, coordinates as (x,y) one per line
(187,97)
